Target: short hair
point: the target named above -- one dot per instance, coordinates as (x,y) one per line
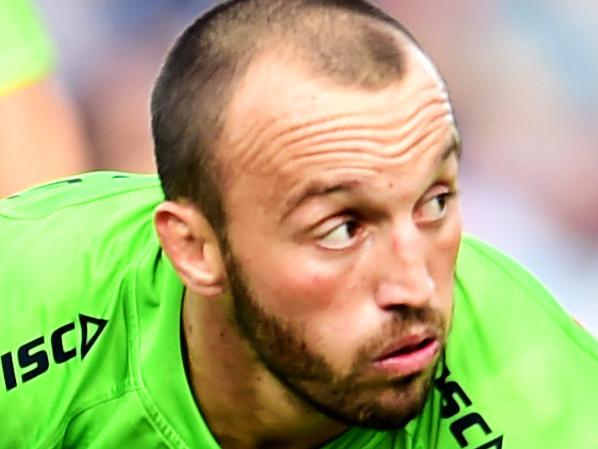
(352,42)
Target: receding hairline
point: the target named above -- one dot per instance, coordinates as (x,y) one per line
(302,62)
(286,56)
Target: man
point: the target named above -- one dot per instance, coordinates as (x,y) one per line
(301,288)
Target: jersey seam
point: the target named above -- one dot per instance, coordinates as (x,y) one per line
(158,422)
(79,203)
(123,389)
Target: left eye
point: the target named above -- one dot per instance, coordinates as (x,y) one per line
(434,209)
(340,237)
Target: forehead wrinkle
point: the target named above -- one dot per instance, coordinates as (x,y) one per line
(266,131)
(329,135)
(345,150)
(386,129)
(244,150)
(354,158)
(263,141)
(395,142)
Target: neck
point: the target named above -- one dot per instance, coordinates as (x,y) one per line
(244,405)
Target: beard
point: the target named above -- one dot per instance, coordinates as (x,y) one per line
(360,397)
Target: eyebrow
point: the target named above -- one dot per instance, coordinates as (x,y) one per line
(453,148)
(318,188)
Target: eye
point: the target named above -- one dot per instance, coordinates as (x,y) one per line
(341,236)
(434,209)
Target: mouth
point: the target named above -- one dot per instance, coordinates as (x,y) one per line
(410,355)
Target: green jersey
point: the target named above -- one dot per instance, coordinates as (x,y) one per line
(25,51)
(91,355)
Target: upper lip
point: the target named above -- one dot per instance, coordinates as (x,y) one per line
(411,339)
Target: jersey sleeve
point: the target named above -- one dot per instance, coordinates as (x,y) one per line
(26,52)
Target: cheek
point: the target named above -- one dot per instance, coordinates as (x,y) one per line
(318,300)
(442,259)
(452,238)
(287,281)
(448,241)
(298,287)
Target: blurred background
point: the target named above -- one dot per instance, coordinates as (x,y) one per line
(522,75)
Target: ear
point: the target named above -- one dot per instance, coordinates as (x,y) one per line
(192,247)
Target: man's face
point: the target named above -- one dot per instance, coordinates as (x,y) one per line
(343,229)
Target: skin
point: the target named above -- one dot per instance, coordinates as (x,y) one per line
(41,138)
(342,233)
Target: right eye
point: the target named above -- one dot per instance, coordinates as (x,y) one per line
(342,236)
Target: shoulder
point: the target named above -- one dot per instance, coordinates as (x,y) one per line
(66,251)
(493,286)
(479,263)
(519,367)
(93,188)
(69,237)
(71,211)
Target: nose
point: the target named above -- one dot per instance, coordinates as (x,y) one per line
(406,279)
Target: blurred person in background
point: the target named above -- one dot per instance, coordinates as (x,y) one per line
(110,53)
(40,133)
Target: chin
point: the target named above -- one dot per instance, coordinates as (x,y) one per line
(384,407)
(398,403)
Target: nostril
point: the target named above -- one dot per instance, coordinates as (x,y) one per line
(408,292)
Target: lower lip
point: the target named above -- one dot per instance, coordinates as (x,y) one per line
(410,363)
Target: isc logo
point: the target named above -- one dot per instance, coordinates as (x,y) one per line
(33,358)
(455,401)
